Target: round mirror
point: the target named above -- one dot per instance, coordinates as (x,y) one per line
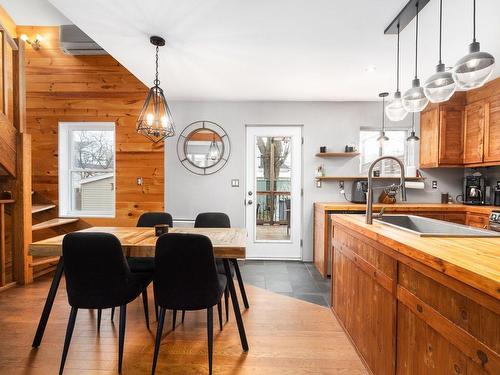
(203,148)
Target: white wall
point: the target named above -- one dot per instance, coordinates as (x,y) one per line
(333,124)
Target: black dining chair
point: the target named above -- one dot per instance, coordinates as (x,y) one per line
(98,277)
(186,278)
(145,264)
(221,220)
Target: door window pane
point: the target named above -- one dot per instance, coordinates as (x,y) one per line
(273,188)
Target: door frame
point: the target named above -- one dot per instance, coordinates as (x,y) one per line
(301,127)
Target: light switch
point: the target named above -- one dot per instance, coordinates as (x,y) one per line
(140,181)
(235,183)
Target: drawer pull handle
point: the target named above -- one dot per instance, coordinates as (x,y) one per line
(482,357)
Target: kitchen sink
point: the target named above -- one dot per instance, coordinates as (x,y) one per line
(425,227)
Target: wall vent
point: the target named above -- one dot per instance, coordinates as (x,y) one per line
(75,42)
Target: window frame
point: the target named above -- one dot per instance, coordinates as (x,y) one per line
(406,161)
(66,167)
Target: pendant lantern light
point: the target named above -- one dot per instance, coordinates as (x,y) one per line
(155,120)
(382,137)
(474,69)
(413,137)
(395,110)
(440,86)
(213,150)
(414,99)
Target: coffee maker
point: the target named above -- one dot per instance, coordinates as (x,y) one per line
(474,190)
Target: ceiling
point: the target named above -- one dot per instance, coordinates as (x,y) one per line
(271,50)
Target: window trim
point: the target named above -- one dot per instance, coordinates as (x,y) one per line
(387,129)
(65,158)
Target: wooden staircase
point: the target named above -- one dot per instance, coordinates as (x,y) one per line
(46,224)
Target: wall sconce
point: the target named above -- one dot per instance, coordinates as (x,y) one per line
(35,44)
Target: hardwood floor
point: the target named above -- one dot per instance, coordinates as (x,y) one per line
(286,336)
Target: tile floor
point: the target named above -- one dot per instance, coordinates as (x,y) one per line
(295,279)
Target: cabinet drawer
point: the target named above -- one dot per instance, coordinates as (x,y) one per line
(477,220)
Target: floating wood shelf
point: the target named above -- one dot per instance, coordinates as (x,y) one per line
(336,154)
(352,178)
(44,260)
(54,223)
(41,207)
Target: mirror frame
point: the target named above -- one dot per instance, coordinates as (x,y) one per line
(182,146)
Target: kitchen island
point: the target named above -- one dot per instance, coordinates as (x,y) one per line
(476,216)
(415,305)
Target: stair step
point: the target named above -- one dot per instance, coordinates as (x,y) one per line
(41,207)
(40,261)
(53,223)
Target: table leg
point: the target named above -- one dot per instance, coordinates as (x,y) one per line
(48,304)
(236,306)
(240,282)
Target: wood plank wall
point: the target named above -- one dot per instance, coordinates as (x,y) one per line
(60,88)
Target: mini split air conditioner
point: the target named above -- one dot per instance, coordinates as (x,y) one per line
(75,42)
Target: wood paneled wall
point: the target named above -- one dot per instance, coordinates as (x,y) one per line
(61,88)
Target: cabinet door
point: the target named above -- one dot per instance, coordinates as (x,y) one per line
(492,130)
(473,133)
(429,137)
(477,220)
(451,125)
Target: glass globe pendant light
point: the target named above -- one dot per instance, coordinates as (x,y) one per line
(414,99)
(395,110)
(155,120)
(213,150)
(382,137)
(440,86)
(474,69)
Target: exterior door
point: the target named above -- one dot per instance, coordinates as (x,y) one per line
(273,195)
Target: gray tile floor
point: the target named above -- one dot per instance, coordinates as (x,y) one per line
(295,279)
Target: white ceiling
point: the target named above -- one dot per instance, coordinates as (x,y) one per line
(34,12)
(275,49)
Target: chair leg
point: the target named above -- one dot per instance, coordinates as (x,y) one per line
(183,315)
(99,316)
(240,283)
(67,340)
(210,331)
(146,307)
(219,311)
(112,314)
(121,336)
(159,332)
(226,303)
(156,306)
(174,318)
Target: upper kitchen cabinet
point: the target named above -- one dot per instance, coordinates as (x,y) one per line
(441,133)
(474,133)
(492,130)
(465,131)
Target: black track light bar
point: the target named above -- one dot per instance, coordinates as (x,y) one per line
(405,16)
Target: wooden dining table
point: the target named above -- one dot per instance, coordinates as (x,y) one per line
(229,244)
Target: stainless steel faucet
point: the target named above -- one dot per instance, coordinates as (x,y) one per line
(369,200)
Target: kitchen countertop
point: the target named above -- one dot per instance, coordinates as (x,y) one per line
(473,261)
(454,207)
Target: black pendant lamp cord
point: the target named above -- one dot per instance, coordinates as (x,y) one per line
(416,43)
(474,22)
(397,64)
(440,27)
(157,81)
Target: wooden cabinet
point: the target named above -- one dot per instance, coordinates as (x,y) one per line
(441,135)
(364,301)
(408,318)
(474,133)
(320,241)
(477,220)
(492,130)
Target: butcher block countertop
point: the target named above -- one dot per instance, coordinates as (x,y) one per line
(473,261)
(439,207)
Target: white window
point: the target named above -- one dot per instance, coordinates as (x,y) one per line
(87,169)
(370,149)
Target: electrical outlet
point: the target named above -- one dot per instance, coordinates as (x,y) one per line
(434,184)
(235,183)
(140,181)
